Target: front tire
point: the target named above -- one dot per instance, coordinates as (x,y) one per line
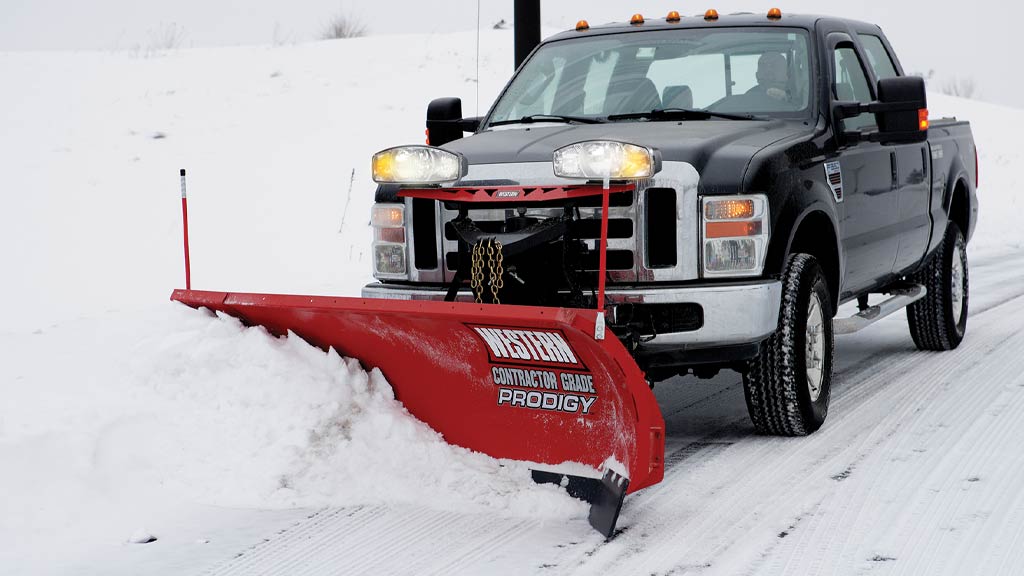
(939,320)
(788,384)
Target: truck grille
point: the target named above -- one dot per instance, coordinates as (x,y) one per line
(652,230)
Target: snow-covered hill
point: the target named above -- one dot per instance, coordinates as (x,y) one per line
(120,411)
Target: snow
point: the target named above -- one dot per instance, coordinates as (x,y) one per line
(126,416)
(180,406)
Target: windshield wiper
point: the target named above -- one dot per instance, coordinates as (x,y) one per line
(550,118)
(682,114)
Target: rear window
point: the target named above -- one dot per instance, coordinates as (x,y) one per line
(878,56)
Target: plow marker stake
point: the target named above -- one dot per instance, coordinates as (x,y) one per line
(184,223)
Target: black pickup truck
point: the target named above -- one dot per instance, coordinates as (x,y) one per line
(761,171)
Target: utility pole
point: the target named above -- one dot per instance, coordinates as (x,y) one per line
(527,28)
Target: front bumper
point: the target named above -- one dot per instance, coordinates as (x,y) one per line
(734,314)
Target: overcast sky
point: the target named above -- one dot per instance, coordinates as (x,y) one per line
(955,39)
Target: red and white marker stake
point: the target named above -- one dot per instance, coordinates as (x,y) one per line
(602,268)
(184,220)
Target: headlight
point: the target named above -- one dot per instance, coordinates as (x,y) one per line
(597,159)
(417,165)
(735,233)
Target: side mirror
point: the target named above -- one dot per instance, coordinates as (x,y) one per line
(445,122)
(902,110)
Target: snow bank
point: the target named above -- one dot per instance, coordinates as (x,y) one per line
(1000,204)
(241,418)
(112,424)
(199,408)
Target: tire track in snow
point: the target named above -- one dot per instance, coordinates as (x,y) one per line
(360,540)
(839,444)
(958,404)
(829,532)
(710,445)
(958,456)
(963,405)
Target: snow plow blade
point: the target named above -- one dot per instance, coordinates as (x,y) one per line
(517,382)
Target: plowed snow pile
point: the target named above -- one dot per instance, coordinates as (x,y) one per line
(110,426)
(197,407)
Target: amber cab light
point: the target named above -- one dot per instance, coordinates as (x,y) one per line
(774,14)
(673,16)
(582,25)
(922,119)
(637,19)
(711,14)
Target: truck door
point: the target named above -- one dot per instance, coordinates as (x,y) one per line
(869,209)
(912,169)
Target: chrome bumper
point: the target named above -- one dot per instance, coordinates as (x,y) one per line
(733,313)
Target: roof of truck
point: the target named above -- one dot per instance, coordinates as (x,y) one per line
(698,21)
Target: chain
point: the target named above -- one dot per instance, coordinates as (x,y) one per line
(495,266)
(476,279)
(494,263)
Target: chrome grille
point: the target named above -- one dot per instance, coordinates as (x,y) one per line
(627,238)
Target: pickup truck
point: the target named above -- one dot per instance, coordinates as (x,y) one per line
(761,171)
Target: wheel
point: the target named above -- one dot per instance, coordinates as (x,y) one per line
(939,320)
(787,385)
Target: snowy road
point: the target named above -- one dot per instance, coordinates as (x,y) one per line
(918,470)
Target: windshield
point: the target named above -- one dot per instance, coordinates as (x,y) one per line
(760,71)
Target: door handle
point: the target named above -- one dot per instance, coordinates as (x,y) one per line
(895,173)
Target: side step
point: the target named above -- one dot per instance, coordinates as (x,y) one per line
(902,296)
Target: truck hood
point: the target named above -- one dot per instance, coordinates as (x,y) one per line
(719,149)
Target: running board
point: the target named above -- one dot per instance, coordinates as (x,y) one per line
(902,297)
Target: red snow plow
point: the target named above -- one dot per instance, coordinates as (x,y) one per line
(535,384)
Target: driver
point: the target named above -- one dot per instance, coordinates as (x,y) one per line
(772,76)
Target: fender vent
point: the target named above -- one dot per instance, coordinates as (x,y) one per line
(834,173)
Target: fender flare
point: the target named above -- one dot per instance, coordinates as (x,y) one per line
(794,213)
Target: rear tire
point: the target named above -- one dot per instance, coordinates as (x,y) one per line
(788,384)
(939,320)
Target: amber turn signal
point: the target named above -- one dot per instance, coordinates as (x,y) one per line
(922,119)
(728,209)
(732,229)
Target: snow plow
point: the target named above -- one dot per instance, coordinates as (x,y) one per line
(527,383)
